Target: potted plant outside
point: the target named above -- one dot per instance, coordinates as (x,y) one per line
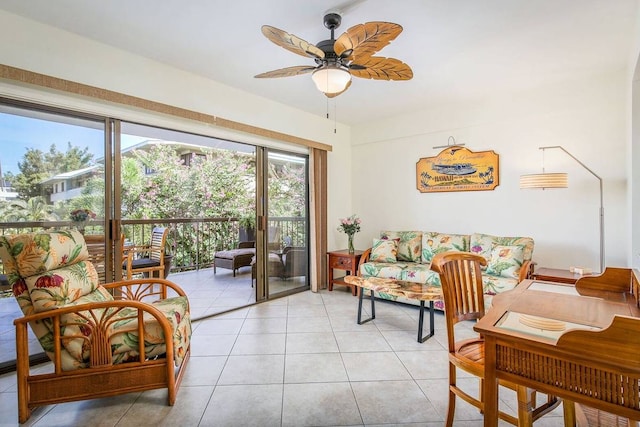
(247,228)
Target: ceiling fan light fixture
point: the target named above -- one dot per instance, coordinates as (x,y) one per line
(331,79)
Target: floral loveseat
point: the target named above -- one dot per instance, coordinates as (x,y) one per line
(103,340)
(407,255)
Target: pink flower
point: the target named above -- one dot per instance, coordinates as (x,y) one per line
(350,225)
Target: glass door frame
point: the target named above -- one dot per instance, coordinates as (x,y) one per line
(262,224)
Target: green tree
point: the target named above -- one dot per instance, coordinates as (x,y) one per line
(222,183)
(287,189)
(37,166)
(33,170)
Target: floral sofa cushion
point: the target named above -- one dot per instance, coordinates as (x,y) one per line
(410,272)
(505,257)
(409,244)
(434,243)
(384,250)
(482,244)
(494,285)
(388,270)
(506,261)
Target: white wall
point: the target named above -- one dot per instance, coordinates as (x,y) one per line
(633,77)
(375,178)
(47,50)
(586,116)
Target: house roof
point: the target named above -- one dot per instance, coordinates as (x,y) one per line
(71,174)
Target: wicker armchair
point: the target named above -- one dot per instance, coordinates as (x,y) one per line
(91,332)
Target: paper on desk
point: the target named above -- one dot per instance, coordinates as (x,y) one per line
(552,287)
(512,321)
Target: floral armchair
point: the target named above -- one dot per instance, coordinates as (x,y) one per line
(91,332)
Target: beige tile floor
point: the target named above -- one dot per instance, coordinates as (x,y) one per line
(301,360)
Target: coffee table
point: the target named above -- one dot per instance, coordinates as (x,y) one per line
(399,288)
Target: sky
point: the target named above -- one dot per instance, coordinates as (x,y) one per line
(17,133)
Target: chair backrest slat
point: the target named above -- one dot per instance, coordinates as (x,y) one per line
(461,280)
(158,241)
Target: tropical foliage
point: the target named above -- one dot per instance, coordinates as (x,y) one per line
(159,183)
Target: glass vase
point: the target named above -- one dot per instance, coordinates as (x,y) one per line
(80,225)
(350,247)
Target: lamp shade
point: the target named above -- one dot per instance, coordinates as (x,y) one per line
(544,180)
(331,79)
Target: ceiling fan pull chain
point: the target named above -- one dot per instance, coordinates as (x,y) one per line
(335,115)
(327,108)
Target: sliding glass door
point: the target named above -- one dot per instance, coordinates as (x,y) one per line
(52,175)
(288,222)
(237,214)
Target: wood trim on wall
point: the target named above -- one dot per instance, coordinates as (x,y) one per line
(318,210)
(68,86)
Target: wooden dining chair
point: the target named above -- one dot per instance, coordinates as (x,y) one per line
(149,258)
(461,280)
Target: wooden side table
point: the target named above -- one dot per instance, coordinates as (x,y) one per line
(342,260)
(556,275)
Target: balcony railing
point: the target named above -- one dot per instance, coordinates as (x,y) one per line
(191,243)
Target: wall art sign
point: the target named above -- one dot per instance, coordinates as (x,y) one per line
(458,169)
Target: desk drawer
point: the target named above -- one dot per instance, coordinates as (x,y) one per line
(341,263)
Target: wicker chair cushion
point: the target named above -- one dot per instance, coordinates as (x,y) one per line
(36,253)
(142,263)
(61,286)
(48,270)
(125,339)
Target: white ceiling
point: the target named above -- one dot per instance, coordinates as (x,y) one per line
(459,50)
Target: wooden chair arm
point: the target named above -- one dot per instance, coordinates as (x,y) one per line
(247,244)
(364,258)
(526,271)
(141,249)
(102,315)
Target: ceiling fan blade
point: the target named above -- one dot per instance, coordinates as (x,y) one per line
(291,43)
(364,40)
(379,68)
(286,72)
(333,95)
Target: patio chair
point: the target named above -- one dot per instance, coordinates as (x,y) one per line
(91,332)
(461,280)
(147,259)
(294,260)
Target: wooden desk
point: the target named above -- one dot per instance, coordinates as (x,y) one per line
(595,364)
(399,288)
(342,260)
(556,275)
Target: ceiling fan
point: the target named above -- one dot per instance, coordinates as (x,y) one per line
(337,60)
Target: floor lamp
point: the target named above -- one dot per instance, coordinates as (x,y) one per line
(559,180)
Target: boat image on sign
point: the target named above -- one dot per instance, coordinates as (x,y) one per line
(455,169)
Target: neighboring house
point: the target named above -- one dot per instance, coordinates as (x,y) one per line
(69,185)
(6,191)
